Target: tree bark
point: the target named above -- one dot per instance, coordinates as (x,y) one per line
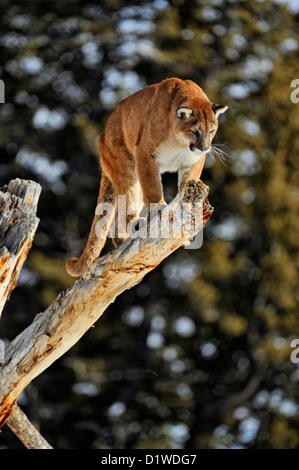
(65,321)
(18,223)
(25,431)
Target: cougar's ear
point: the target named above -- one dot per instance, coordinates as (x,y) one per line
(219,109)
(184,112)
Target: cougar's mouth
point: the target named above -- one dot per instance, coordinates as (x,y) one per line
(196,150)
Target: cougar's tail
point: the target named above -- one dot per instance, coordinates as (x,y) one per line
(103,217)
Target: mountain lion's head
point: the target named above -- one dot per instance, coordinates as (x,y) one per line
(196,124)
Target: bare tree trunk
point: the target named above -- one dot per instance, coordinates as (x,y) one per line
(65,321)
(18,223)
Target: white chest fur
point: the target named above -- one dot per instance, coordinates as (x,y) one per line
(171,157)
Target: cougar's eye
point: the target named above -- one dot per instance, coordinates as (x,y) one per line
(195,132)
(212,131)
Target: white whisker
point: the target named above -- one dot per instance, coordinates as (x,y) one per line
(211,154)
(222,151)
(219,153)
(216,146)
(221,145)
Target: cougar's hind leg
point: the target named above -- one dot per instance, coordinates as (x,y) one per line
(129,205)
(102,220)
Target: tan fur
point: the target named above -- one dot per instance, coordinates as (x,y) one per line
(150,132)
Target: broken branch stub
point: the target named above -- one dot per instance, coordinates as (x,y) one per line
(18,224)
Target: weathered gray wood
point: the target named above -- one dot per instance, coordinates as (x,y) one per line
(56,330)
(18,223)
(25,431)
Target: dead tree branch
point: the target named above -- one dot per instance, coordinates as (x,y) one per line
(25,431)
(18,223)
(65,321)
